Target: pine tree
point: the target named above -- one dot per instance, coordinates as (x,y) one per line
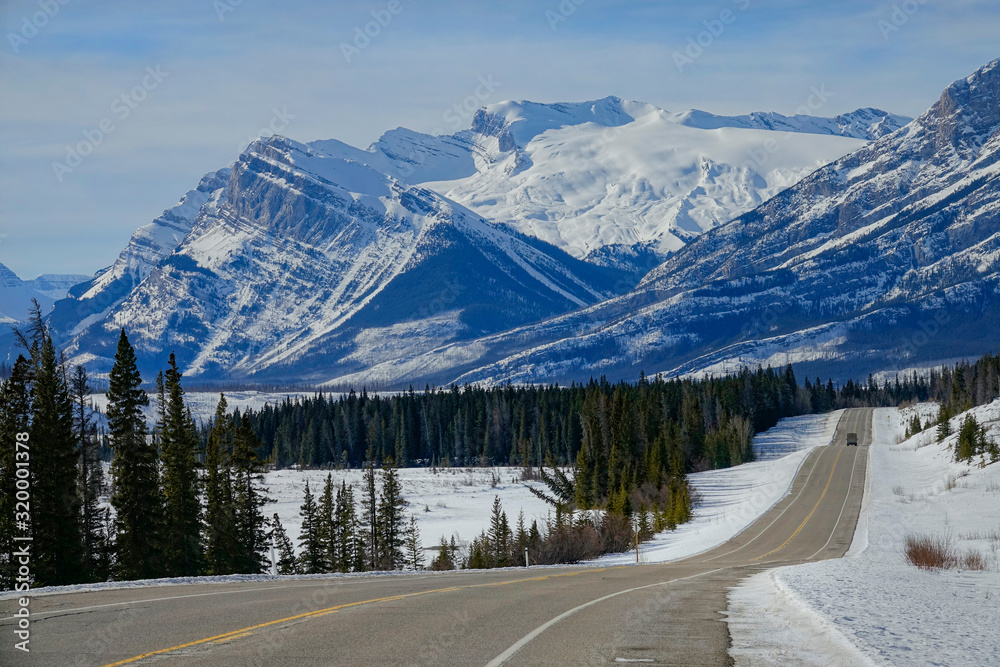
(311,556)
(414,550)
(445,559)
(349,546)
(392,519)
(286,554)
(971,440)
(91,479)
(499,537)
(479,553)
(135,478)
(220,512)
(944,422)
(15,409)
(57,529)
(327,524)
(249,498)
(178,444)
(369,503)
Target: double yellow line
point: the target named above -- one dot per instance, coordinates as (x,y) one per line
(243,632)
(815,507)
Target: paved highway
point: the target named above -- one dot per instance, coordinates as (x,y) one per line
(649,614)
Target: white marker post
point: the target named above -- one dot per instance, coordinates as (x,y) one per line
(526,563)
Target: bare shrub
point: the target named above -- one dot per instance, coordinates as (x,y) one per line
(930,552)
(973,560)
(898,490)
(616,531)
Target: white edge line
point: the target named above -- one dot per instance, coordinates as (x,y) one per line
(528,638)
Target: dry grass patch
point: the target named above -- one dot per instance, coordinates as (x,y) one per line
(973,560)
(930,552)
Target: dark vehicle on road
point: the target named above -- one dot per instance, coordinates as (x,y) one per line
(852,439)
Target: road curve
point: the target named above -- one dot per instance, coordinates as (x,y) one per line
(652,614)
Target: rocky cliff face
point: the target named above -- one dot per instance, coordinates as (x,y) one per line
(303,264)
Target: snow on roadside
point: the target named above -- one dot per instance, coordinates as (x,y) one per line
(872,607)
(731,499)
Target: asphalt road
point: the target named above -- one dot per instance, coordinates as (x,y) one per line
(648,614)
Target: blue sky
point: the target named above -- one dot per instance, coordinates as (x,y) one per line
(222,68)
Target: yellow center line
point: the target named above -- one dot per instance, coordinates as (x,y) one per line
(242,632)
(815,507)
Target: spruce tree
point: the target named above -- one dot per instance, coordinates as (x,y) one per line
(327,522)
(392,519)
(220,522)
(178,444)
(414,550)
(15,409)
(138,503)
(57,528)
(499,536)
(944,422)
(249,498)
(91,479)
(369,504)
(311,555)
(285,553)
(445,559)
(350,545)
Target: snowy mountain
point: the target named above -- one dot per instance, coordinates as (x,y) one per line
(616,181)
(887,258)
(860,124)
(16,294)
(92,300)
(294,260)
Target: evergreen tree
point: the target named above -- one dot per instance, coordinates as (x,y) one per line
(479,553)
(414,550)
(135,478)
(15,409)
(944,422)
(311,556)
(391,520)
(220,522)
(349,547)
(249,498)
(327,524)
(369,503)
(445,559)
(58,545)
(91,479)
(499,537)
(285,553)
(178,444)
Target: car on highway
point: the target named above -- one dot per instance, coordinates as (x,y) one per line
(852,439)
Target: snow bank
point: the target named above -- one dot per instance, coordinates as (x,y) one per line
(886,609)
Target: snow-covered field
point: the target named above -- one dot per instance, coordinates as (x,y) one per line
(731,499)
(873,607)
(451,501)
